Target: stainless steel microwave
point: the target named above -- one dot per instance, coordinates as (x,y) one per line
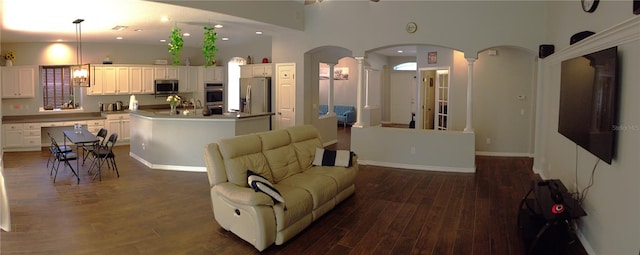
(164,87)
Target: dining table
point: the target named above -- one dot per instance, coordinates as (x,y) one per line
(79,137)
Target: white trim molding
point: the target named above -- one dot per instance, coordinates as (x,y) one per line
(417,167)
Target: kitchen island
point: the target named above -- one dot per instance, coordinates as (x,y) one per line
(161,140)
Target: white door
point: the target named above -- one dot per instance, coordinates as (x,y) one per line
(285,95)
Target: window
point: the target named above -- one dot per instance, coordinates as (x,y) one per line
(408,66)
(57,90)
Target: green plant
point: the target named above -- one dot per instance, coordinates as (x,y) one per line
(175,46)
(209,45)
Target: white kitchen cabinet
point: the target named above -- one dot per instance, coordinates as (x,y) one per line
(256,70)
(165,72)
(104,81)
(122,82)
(214,74)
(141,79)
(119,123)
(19,81)
(21,136)
(188,79)
(95,125)
(109,80)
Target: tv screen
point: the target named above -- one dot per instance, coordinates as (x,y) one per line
(588,101)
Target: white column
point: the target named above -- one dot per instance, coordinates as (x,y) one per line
(331,96)
(366,89)
(361,90)
(469,127)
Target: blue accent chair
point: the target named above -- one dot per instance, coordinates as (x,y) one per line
(346,114)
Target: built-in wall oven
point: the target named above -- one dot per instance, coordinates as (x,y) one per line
(214,97)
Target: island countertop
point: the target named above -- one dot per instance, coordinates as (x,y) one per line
(197,115)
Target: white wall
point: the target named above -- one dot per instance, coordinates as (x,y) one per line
(612,225)
(344,90)
(503,101)
(414,148)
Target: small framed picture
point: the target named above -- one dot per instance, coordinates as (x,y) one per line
(432,57)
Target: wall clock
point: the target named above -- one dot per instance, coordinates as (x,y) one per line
(412,27)
(589,5)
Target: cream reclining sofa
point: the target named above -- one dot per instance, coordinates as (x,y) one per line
(284,157)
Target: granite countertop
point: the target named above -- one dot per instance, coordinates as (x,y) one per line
(52,117)
(164,113)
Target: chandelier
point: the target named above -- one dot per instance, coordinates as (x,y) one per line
(80,72)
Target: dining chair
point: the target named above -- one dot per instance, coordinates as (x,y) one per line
(52,150)
(88,148)
(61,156)
(104,154)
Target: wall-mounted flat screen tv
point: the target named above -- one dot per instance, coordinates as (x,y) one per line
(588,102)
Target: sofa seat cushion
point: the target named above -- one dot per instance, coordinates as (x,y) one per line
(322,188)
(299,204)
(343,177)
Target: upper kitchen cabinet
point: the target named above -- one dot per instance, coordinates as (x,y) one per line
(165,72)
(109,80)
(214,74)
(19,81)
(256,70)
(189,81)
(141,79)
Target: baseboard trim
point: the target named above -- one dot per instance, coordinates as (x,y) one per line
(504,154)
(539,172)
(418,167)
(168,167)
(585,243)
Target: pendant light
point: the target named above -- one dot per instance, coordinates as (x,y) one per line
(80,72)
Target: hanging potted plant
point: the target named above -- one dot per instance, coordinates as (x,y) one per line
(175,46)
(209,46)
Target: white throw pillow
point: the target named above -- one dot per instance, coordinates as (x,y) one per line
(333,158)
(261,184)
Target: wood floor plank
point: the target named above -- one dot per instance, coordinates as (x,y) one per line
(145,211)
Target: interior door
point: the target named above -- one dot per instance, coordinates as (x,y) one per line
(285,95)
(428,95)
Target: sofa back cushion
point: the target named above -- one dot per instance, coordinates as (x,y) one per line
(277,149)
(323,109)
(305,139)
(242,153)
(341,109)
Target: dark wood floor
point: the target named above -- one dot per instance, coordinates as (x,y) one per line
(146,211)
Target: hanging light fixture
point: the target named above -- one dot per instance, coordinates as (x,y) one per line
(80,72)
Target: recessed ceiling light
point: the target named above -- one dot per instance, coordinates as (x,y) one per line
(138,30)
(59,40)
(400,51)
(119,28)
(186,34)
(163,40)
(218,26)
(258,32)
(119,38)
(225,38)
(164,19)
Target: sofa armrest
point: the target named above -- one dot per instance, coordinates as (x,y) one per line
(242,195)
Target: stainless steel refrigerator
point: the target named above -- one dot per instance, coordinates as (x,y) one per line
(255,95)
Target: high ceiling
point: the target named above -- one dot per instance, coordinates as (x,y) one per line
(51,21)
